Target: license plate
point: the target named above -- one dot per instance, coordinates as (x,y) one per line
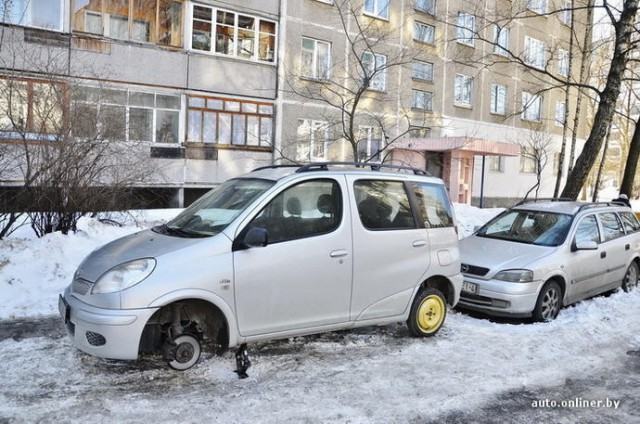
(469,287)
(63,308)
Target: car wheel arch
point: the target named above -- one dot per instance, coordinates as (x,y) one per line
(440,283)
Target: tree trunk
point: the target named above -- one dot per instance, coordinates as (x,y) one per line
(632,162)
(608,98)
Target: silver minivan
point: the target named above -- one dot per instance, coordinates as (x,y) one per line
(282,251)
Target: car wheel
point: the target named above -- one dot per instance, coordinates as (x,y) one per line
(630,280)
(185,353)
(549,302)
(428,312)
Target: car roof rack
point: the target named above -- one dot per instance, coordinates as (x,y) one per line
(274,167)
(324,166)
(596,204)
(544,199)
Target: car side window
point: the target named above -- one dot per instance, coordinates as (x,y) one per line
(304,210)
(383,205)
(611,225)
(630,222)
(434,205)
(588,230)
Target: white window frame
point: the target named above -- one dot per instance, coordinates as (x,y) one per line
(565,13)
(538,6)
(368,135)
(24,15)
(315,66)
(498,99)
(500,40)
(424,33)
(495,163)
(426,6)
(465,29)
(463,90)
(422,71)
(308,130)
(377,8)
(375,67)
(531,107)
(422,100)
(560,115)
(563,63)
(534,52)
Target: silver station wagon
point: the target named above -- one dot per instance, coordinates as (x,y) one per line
(536,257)
(279,252)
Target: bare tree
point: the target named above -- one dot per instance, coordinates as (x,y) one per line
(358,108)
(535,148)
(63,145)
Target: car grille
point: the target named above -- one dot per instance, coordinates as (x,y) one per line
(81,286)
(95,339)
(473,270)
(474,299)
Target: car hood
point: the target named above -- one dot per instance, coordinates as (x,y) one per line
(144,244)
(498,255)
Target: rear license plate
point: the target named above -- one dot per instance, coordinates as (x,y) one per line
(469,287)
(63,308)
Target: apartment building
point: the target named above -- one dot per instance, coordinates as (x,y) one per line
(211,89)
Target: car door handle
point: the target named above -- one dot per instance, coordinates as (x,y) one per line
(419,243)
(338,253)
(627,247)
(603,255)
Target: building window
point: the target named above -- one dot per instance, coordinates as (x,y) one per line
(375,68)
(534,52)
(369,144)
(31,107)
(313,139)
(500,40)
(563,63)
(316,59)
(498,99)
(424,33)
(377,8)
(427,6)
(129,115)
(538,6)
(232,34)
(229,122)
(565,13)
(528,164)
(531,107)
(561,111)
(495,163)
(422,100)
(146,21)
(422,70)
(465,28)
(45,14)
(463,90)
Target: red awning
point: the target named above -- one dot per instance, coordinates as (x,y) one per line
(475,145)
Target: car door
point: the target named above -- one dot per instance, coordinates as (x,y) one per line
(616,247)
(585,268)
(391,252)
(302,277)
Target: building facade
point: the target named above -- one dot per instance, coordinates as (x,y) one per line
(212,89)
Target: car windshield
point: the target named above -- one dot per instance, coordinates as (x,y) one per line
(210,214)
(532,227)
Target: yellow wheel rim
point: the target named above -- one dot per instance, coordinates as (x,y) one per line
(431,313)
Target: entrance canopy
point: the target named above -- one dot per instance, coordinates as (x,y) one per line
(476,146)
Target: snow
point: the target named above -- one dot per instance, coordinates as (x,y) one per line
(370,375)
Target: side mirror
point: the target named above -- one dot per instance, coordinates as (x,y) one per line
(256,237)
(586,245)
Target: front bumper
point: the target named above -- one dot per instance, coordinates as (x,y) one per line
(106,333)
(501,298)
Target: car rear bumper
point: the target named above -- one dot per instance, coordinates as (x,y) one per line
(106,333)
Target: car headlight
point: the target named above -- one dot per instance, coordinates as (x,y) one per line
(515,275)
(124,276)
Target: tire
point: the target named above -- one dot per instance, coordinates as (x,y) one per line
(428,312)
(630,280)
(549,302)
(186,352)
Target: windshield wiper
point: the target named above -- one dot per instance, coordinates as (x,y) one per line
(181,232)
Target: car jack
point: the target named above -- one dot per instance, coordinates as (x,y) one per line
(242,361)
